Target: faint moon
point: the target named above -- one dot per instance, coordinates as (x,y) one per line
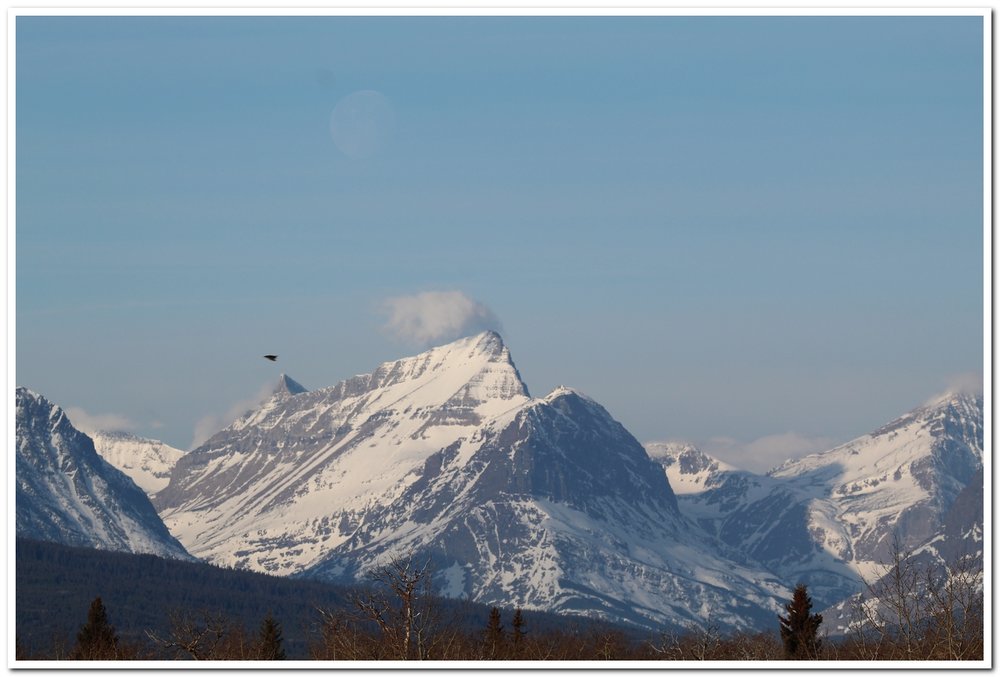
(361,123)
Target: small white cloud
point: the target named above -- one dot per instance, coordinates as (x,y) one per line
(766,452)
(92,423)
(968,383)
(437,316)
(213,423)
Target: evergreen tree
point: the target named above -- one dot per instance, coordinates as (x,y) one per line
(97,639)
(799,628)
(494,635)
(269,640)
(517,624)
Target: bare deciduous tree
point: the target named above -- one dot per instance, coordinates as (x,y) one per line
(204,637)
(401,604)
(916,611)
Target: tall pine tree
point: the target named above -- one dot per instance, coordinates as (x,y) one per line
(517,624)
(494,635)
(97,639)
(799,629)
(269,640)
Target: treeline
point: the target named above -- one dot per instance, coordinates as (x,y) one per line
(921,615)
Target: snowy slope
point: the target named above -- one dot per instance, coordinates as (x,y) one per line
(67,493)
(148,462)
(283,485)
(545,502)
(900,479)
(954,553)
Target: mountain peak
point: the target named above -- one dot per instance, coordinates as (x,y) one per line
(670,452)
(962,398)
(487,343)
(563,391)
(688,469)
(490,338)
(480,361)
(288,386)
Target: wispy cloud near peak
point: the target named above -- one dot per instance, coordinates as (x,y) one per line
(92,423)
(436,316)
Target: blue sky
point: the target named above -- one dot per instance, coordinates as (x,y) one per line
(724,229)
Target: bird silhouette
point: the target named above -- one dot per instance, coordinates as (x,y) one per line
(271,357)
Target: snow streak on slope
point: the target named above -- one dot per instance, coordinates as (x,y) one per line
(148,462)
(68,494)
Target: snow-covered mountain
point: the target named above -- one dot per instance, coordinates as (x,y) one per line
(829,519)
(148,462)
(545,503)
(287,482)
(67,493)
(540,502)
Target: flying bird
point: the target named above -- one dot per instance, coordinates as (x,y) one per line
(271,357)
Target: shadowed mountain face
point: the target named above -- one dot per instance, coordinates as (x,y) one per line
(68,494)
(545,503)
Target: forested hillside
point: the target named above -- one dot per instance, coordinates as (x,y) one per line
(55,585)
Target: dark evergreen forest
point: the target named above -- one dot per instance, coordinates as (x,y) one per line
(55,584)
(74,603)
